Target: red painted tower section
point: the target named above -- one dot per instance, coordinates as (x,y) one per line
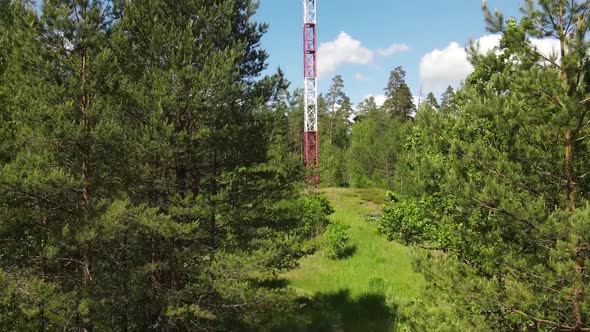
(310,91)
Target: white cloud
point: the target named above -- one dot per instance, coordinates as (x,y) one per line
(391,50)
(547,46)
(488,43)
(343,50)
(441,68)
(379,99)
(347,50)
(450,66)
(360,77)
(418,100)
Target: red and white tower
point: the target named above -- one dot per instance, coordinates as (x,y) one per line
(310,91)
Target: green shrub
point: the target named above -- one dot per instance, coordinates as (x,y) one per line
(336,239)
(310,246)
(416,220)
(316,210)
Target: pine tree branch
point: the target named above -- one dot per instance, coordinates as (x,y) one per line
(516,273)
(581,125)
(561,327)
(75,7)
(544,92)
(568,27)
(509,179)
(541,55)
(553,23)
(503,211)
(106,6)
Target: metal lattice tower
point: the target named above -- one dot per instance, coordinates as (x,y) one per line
(310,90)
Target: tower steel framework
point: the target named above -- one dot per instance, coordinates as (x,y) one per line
(310,91)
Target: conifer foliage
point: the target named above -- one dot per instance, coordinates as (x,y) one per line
(499,187)
(145,179)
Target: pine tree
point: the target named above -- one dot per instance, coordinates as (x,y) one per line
(335,97)
(448,104)
(500,188)
(342,124)
(145,184)
(431,101)
(214,164)
(397,78)
(376,145)
(399,102)
(335,110)
(65,168)
(26,300)
(6,21)
(295,122)
(365,107)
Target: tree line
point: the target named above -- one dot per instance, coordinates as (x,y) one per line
(361,146)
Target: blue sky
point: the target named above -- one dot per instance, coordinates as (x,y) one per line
(358,34)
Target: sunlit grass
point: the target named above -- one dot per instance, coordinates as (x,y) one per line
(377,267)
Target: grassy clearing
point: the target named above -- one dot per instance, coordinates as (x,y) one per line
(361,292)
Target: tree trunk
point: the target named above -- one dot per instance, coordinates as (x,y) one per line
(569,171)
(86,142)
(43,268)
(577,293)
(213,222)
(85,101)
(570,188)
(332,121)
(181,178)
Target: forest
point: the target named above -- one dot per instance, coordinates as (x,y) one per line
(151,179)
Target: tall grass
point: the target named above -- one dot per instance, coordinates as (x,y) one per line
(377,274)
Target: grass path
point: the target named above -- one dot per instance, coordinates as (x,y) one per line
(360,292)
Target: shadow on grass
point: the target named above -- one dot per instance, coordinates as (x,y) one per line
(340,312)
(348,252)
(375,196)
(277,283)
